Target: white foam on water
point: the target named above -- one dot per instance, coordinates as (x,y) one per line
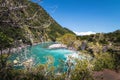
(75,55)
(72,55)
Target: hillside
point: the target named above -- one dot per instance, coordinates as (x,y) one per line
(25,21)
(105,39)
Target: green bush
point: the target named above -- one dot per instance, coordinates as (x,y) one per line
(82,71)
(103,61)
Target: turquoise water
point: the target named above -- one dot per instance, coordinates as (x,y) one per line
(40,53)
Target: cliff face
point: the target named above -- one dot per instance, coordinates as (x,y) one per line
(27,21)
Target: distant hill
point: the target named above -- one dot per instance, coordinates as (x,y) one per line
(105,39)
(113,37)
(28,21)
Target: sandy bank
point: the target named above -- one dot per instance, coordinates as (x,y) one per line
(54,46)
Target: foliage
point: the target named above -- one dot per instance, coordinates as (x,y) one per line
(102,38)
(67,39)
(103,61)
(116,56)
(15,16)
(82,71)
(30,23)
(56,31)
(5,41)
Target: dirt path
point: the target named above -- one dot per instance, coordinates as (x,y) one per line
(106,75)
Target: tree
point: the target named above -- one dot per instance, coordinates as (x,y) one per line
(5,42)
(21,14)
(67,39)
(103,61)
(82,70)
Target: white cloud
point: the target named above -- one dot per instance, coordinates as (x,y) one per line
(84,33)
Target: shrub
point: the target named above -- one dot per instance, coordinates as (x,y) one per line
(103,61)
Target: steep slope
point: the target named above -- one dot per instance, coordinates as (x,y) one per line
(27,21)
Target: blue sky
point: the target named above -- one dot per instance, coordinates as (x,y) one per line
(85,15)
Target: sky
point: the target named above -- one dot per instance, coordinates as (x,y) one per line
(83,16)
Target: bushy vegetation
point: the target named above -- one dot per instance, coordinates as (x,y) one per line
(46,72)
(33,24)
(67,39)
(104,61)
(100,43)
(5,41)
(82,71)
(55,31)
(28,21)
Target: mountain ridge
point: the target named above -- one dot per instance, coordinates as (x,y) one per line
(29,22)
